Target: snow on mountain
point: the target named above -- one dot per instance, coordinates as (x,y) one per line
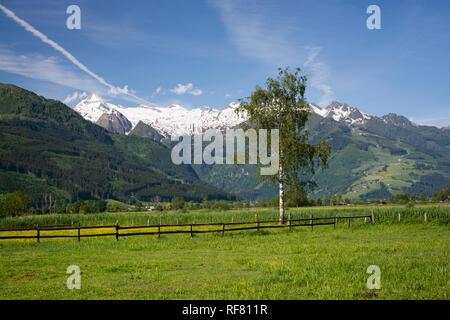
(176,119)
(318,110)
(342,113)
(93,107)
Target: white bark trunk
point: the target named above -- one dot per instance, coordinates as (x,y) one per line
(281,196)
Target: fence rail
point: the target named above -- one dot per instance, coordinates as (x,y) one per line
(24,228)
(257,225)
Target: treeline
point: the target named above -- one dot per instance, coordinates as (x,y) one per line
(18,203)
(46,147)
(299,199)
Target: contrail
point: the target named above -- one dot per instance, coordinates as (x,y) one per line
(57,47)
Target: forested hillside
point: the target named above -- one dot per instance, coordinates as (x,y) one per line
(47,148)
(375,160)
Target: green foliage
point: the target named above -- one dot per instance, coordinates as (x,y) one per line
(296,197)
(177,203)
(364,160)
(47,149)
(138,207)
(262,203)
(410,204)
(206,204)
(14,204)
(282,105)
(221,205)
(441,196)
(402,198)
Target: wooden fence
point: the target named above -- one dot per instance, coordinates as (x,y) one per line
(235,226)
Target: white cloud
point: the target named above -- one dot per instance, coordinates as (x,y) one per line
(443,121)
(47,69)
(182,89)
(50,69)
(272,42)
(248,29)
(113,90)
(196,92)
(117,90)
(74,97)
(186,88)
(319,76)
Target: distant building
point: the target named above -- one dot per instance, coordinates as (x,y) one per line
(446,200)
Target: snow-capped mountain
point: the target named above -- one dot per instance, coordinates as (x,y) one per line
(93,107)
(176,119)
(342,112)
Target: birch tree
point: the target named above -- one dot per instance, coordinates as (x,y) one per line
(282,105)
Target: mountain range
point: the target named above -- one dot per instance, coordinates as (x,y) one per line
(177,119)
(48,150)
(375,157)
(100,150)
(168,121)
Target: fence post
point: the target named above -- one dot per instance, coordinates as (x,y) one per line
(289,221)
(79,237)
(159,229)
(373,217)
(425,217)
(194,219)
(348,223)
(399,216)
(334,223)
(191,230)
(223,228)
(257,222)
(311,222)
(232,219)
(148,222)
(117,230)
(38,233)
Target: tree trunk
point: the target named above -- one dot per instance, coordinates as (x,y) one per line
(281,196)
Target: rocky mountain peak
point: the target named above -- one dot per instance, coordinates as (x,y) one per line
(396,120)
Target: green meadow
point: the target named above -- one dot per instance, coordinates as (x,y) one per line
(412,254)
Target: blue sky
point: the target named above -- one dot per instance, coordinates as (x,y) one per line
(198,53)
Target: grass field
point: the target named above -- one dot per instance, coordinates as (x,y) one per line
(277,264)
